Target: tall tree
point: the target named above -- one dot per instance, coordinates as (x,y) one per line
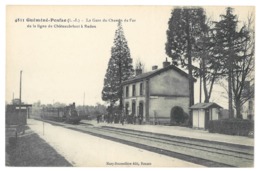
(110,89)
(185,26)
(119,69)
(228,49)
(209,70)
(243,77)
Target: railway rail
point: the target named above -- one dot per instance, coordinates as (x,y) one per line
(202,152)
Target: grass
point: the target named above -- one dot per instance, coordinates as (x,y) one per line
(31,150)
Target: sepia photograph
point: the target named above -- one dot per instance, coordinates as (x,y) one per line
(139,86)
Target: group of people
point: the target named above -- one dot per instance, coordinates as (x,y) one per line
(117,118)
(132,119)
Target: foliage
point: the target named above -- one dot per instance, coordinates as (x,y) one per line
(185,27)
(139,64)
(224,52)
(119,69)
(91,111)
(243,79)
(178,115)
(229,41)
(231,53)
(210,71)
(37,104)
(231,126)
(55,105)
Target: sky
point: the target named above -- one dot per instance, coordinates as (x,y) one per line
(61,64)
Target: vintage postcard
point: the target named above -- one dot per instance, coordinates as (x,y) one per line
(130,86)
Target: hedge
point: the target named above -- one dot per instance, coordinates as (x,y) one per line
(232,127)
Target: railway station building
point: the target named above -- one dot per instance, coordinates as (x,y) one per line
(152,95)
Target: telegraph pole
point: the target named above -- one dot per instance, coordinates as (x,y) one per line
(84,103)
(20,87)
(20,97)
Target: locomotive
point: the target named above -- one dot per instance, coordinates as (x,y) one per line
(67,114)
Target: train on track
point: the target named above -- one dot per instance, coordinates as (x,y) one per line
(67,114)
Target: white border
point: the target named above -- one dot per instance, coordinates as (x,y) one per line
(3,4)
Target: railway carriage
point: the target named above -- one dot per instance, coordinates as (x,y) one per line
(67,114)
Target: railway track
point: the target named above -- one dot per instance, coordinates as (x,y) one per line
(202,152)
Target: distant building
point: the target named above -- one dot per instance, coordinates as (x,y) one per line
(152,95)
(202,113)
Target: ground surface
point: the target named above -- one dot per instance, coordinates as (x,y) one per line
(31,150)
(183,132)
(81,149)
(50,144)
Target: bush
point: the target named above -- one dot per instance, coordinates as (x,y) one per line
(178,116)
(232,126)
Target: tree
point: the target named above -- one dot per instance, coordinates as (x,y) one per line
(119,69)
(110,90)
(244,75)
(37,104)
(91,111)
(139,64)
(210,70)
(178,116)
(58,104)
(186,26)
(228,49)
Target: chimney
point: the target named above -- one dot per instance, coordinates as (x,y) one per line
(166,63)
(155,67)
(138,71)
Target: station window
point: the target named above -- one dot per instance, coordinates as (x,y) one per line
(141,89)
(127,91)
(133,92)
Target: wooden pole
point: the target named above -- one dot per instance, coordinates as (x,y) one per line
(20,97)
